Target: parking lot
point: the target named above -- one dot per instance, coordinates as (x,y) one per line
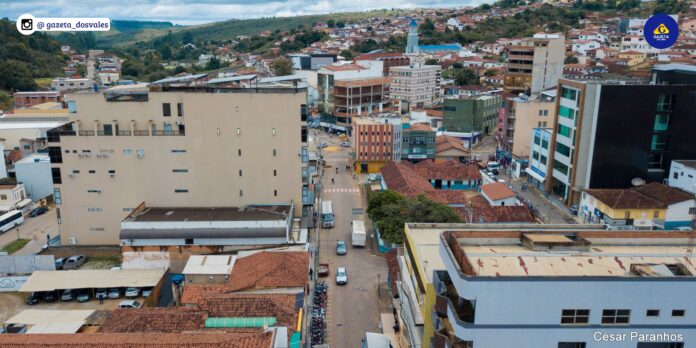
(12,303)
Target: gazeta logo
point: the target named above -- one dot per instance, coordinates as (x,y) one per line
(661,31)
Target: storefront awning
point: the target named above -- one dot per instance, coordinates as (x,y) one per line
(534,174)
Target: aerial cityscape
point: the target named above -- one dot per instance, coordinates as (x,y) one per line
(298,174)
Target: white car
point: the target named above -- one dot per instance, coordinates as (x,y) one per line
(129,304)
(132,292)
(345,144)
(341,276)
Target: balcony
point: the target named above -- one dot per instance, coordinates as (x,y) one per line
(448,300)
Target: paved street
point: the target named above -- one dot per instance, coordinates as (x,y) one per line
(354,308)
(551,212)
(34,229)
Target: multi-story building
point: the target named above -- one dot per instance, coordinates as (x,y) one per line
(375,143)
(12,196)
(522,115)
(472,114)
(416,85)
(351,90)
(312,61)
(594,146)
(34,171)
(70,84)
(535,64)
(418,143)
(537,168)
(583,288)
(170,146)
(26,99)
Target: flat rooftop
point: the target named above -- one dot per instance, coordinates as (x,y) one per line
(248,213)
(579,253)
(426,243)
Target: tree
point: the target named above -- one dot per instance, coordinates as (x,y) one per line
(187,38)
(282,67)
(463,76)
(431,61)
(331,23)
(571,60)
(490,72)
(347,54)
(5,101)
(15,75)
(213,64)
(340,24)
(457,65)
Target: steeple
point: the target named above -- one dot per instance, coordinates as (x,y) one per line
(412,40)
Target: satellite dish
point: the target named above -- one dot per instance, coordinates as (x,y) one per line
(637,182)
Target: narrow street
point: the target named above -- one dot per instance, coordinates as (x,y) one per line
(551,212)
(354,308)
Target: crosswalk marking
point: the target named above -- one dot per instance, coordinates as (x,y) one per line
(342,190)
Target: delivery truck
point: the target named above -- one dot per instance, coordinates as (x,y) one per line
(359,235)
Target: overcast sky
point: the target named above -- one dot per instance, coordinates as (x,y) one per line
(187,12)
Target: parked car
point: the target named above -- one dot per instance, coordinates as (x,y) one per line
(323,145)
(32,299)
(74,262)
(60,263)
(49,296)
(38,211)
(114,293)
(683,228)
(341,247)
(132,292)
(341,276)
(101,293)
(83,296)
(129,304)
(67,295)
(345,144)
(146,292)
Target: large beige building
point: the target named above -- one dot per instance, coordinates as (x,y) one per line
(416,84)
(176,148)
(535,64)
(525,114)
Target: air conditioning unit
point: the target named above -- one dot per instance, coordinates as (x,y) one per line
(140,155)
(99,155)
(73,240)
(81,155)
(71,175)
(112,175)
(88,155)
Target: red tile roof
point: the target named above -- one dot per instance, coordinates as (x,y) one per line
(450,170)
(497,190)
(652,195)
(148,319)
(194,292)
(498,214)
(666,194)
(420,127)
(343,67)
(281,306)
(217,339)
(446,142)
(270,270)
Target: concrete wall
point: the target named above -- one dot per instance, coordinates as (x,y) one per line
(265,128)
(36,176)
(685,177)
(526,119)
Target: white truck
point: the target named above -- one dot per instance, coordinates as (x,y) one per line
(359,236)
(327,216)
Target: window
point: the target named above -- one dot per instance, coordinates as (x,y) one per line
(239,152)
(537,140)
(675,175)
(240,172)
(274,152)
(616,316)
(560,167)
(92,171)
(678,312)
(563,149)
(566,112)
(55,174)
(166,110)
(180,170)
(575,316)
(72,106)
(112,172)
(572,345)
(180,109)
(127,151)
(545,143)
(108,129)
(564,131)
(275,193)
(241,193)
(652,313)
(178,151)
(188,241)
(627,214)
(535,155)
(94,209)
(656,214)
(56,196)
(3,197)
(569,93)
(181,191)
(54,154)
(275,172)
(542,159)
(661,122)
(665,102)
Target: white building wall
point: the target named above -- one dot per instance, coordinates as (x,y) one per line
(36,176)
(682,177)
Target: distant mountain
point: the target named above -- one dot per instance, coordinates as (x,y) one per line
(133,25)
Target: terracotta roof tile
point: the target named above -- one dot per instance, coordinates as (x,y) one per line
(450,170)
(497,190)
(171,319)
(194,292)
(218,339)
(663,193)
(446,142)
(270,270)
(420,127)
(624,199)
(281,306)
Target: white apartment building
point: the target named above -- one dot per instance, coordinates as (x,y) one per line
(70,84)
(682,175)
(506,287)
(34,171)
(169,146)
(539,157)
(417,85)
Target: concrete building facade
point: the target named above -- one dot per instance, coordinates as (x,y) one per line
(418,143)
(34,171)
(176,148)
(416,85)
(472,114)
(535,64)
(525,114)
(375,143)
